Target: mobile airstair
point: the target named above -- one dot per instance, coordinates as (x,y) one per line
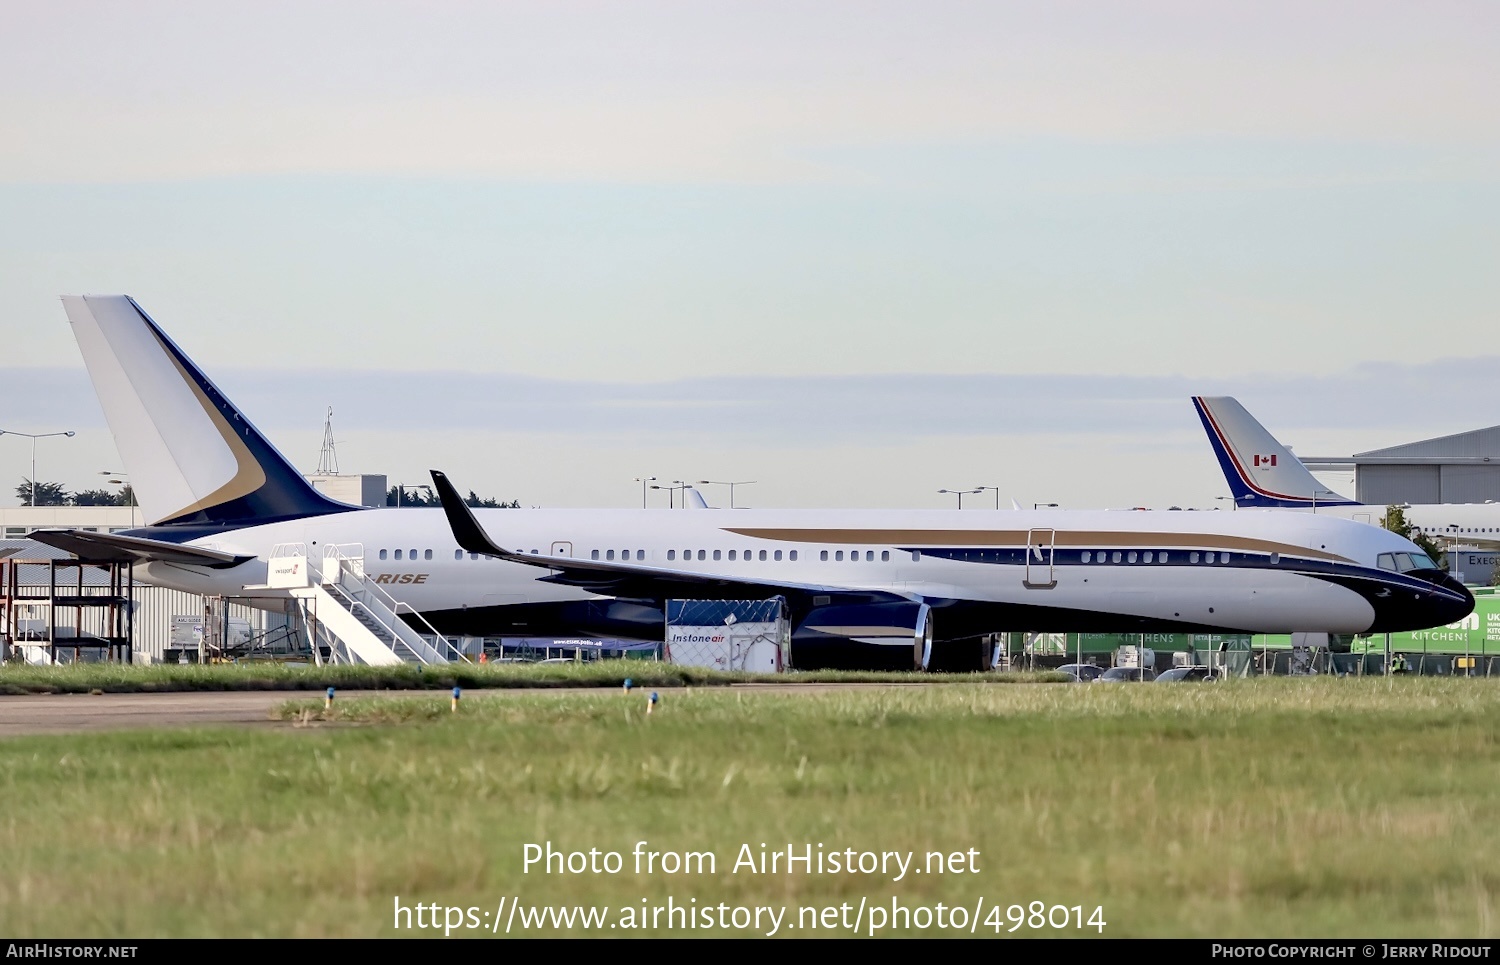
(348,616)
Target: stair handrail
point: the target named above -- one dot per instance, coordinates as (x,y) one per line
(395,635)
(336,551)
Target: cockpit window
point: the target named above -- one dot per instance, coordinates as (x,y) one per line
(1405,562)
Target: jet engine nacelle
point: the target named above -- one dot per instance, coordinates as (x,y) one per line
(864,636)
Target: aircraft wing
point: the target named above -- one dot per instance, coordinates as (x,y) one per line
(639,581)
(114,548)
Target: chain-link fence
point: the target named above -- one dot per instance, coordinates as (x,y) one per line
(754,635)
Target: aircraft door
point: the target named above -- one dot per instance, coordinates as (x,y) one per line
(562,548)
(1040,574)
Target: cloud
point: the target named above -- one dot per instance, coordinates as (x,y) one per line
(807,411)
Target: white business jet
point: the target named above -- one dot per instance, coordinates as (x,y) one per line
(864,588)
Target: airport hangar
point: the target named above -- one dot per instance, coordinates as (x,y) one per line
(1460,468)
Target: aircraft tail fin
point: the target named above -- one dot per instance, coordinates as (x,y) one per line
(191,455)
(1261,472)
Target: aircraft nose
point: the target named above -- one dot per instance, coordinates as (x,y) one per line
(1447,601)
(1455,603)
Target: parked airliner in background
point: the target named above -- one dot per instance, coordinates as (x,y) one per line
(1263,473)
(863,587)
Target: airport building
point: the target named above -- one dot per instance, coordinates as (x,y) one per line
(164,624)
(1461,468)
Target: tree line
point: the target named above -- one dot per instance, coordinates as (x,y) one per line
(54,494)
(420,497)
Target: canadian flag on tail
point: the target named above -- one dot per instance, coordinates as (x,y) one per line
(1264,461)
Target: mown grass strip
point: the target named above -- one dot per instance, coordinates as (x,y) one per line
(119,678)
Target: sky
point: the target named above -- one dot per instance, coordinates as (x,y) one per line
(854,252)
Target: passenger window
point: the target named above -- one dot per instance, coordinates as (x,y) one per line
(1163,557)
(1087,556)
(458,554)
(1192,557)
(473,556)
(716,554)
(1147,557)
(777,556)
(427,554)
(382,554)
(869,556)
(1131,557)
(793,555)
(671,555)
(885,556)
(398,554)
(838,556)
(823,555)
(702,555)
(762,556)
(412,554)
(731,556)
(1115,556)
(1275,558)
(640,554)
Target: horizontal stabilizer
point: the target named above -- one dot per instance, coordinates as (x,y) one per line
(114,548)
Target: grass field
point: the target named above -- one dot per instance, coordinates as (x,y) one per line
(1266,807)
(122,678)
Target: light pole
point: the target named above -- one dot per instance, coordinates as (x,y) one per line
(672,492)
(643,480)
(1040,505)
(981,489)
(110,472)
(961,493)
(34,438)
(731,485)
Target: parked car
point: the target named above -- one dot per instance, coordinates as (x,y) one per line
(1124,673)
(1188,673)
(1083,671)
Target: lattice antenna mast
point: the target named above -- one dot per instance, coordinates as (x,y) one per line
(328,458)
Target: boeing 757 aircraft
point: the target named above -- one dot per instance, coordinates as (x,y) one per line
(864,587)
(1263,473)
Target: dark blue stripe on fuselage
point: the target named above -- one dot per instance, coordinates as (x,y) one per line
(1070,557)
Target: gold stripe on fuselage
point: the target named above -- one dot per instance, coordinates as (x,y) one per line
(1018,538)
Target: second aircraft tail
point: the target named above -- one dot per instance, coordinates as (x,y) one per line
(1261,472)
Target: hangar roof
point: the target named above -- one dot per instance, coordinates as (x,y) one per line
(1476,445)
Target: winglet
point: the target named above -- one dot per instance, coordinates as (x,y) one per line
(466,529)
